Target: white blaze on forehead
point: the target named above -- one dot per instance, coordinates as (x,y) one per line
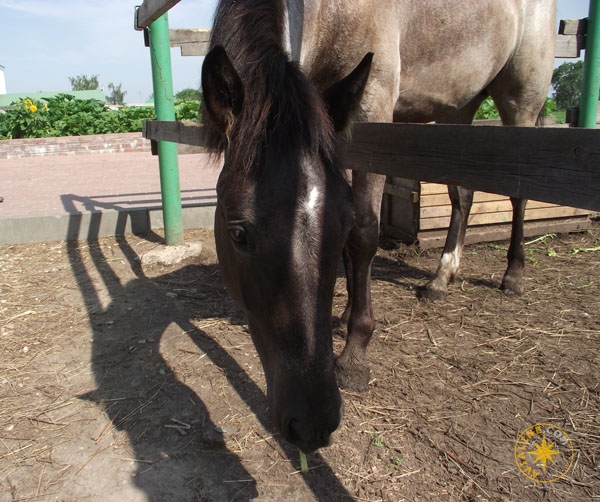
(308,234)
(313,199)
(306,256)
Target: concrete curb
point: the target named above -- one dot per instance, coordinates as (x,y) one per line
(94,225)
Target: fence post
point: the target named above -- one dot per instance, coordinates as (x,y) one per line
(588,108)
(164,105)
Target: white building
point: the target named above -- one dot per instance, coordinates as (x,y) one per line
(2,81)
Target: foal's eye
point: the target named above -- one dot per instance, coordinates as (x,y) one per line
(238,236)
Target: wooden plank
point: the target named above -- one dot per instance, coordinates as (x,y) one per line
(199,49)
(501,206)
(483,207)
(494,218)
(502,217)
(192,41)
(187,133)
(437,193)
(561,166)
(487,233)
(572,26)
(443,199)
(150,11)
(433,188)
(401,192)
(486,204)
(570,40)
(178,132)
(569,46)
(188,36)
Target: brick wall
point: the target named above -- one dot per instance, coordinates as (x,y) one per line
(71,145)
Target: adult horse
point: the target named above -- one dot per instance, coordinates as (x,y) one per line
(283,80)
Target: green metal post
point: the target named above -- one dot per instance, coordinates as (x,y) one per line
(164,105)
(588,107)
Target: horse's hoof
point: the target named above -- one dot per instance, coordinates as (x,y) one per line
(355,377)
(512,286)
(433,293)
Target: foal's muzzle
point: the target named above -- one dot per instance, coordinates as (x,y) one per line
(310,427)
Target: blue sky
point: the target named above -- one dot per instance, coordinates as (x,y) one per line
(43,43)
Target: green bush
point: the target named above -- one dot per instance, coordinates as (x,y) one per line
(64,115)
(488,110)
(26,117)
(188,110)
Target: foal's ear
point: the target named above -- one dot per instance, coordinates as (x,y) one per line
(222,89)
(343,98)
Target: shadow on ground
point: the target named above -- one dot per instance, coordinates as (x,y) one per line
(179,451)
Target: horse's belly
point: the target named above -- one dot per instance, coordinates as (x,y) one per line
(447,57)
(422,104)
(429,92)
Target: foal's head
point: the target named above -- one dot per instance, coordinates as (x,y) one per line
(283,214)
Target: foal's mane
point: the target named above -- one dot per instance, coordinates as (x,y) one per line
(282,110)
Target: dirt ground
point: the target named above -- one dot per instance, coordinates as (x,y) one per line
(118,383)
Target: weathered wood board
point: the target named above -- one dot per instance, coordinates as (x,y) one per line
(150,11)
(570,40)
(559,166)
(192,42)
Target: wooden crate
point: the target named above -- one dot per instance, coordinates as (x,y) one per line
(420,212)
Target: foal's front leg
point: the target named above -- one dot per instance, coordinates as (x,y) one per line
(352,369)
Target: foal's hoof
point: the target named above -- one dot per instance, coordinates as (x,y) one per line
(512,285)
(354,377)
(433,293)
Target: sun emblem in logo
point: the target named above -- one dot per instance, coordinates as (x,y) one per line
(544,453)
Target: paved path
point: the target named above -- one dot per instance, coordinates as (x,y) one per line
(45,192)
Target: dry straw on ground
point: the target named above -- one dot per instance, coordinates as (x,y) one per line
(123,383)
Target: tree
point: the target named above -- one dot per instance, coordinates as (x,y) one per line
(117,96)
(566,84)
(188,95)
(84,83)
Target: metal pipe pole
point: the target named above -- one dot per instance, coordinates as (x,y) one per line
(588,108)
(164,106)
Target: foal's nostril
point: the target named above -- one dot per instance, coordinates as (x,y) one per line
(308,438)
(293,435)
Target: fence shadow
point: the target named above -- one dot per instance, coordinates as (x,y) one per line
(140,393)
(94,216)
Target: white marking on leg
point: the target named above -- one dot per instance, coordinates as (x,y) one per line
(450,262)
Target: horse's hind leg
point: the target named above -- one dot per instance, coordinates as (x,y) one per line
(519,93)
(513,277)
(517,113)
(461,199)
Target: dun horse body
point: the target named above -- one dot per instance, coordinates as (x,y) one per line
(283,80)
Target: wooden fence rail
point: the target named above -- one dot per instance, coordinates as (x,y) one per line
(570,40)
(191,41)
(150,11)
(560,166)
